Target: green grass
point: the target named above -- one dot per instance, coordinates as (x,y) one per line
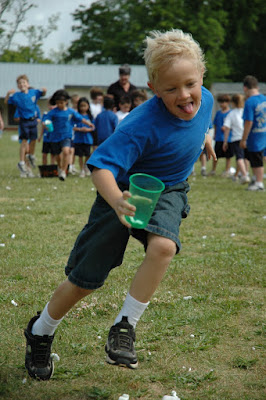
(210,347)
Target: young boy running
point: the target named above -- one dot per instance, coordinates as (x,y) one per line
(164,137)
(26,102)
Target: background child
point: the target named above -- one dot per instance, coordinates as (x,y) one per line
(96,103)
(254,136)
(47,144)
(26,100)
(83,137)
(164,137)
(63,119)
(74,103)
(124,108)
(138,97)
(106,121)
(2,125)
(234,122)
(224,101)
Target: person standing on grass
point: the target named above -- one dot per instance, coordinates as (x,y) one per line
(26,102)
(122,87)
(254,136)
(63,119)
(83,138)
(224,101)
(163,137)
(96,103)
(74,104)
(106,121)
(234,122)
(45,135)
(124,108)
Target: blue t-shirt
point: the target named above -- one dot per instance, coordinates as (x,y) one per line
(153,141)
(255,111)
(83,137)
(218,122)
(63,121)
(26,102)
(105,124)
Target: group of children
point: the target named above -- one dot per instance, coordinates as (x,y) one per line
(232,126)
(66,131)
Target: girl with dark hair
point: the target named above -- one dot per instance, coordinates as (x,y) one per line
(83,137)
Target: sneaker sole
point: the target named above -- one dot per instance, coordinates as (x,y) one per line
(40,378)
(121,362)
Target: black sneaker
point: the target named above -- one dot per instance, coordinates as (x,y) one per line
(120,345)
(38,359)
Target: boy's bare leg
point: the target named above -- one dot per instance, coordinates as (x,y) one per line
(160,252)
(258,172)
(32,147)
(64,298)
(65,158)
(23,150)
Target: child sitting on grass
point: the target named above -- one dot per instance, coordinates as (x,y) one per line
(164,138)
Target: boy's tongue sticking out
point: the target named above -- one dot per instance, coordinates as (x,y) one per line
(187,108)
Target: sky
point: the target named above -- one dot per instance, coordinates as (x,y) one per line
(46,8)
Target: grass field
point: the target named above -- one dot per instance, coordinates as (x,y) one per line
(208,347)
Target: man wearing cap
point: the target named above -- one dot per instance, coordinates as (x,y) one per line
(122,87)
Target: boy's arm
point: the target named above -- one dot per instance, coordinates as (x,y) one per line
(106,185)
(89,123)
(8,94)
(226,134)
(247,129)
(209,148)
(44,91)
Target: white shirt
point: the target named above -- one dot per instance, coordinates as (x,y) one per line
(121,115)
(234,121)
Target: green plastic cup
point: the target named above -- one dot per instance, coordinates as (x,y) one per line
(145,190)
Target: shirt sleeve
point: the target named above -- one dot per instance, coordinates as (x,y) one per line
(248,114)
(228,121)
(117,154)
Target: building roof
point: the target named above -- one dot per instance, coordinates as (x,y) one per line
(57,76)
(232,88)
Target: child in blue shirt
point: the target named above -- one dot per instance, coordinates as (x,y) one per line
(162,137)
(26,102)
(254,135)
(224,103)
(83,138)
(106,121)
(63,119)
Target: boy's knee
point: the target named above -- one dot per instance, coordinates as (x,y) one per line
(161,247)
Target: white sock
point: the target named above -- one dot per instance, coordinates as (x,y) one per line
(45,325)
(259,184)
(132,309)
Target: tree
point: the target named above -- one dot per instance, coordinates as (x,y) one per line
(113,31)
(231,33)
(31,50)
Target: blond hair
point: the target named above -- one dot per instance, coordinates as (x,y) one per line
(163,48)
(23,77)
(238,100)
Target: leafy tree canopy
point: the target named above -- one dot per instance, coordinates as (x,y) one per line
(112,32)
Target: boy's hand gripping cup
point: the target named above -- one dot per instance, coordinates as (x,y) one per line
(145,191)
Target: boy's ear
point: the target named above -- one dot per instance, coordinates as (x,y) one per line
(152,88)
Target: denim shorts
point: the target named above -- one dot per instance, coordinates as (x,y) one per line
(28,129)
(101,244)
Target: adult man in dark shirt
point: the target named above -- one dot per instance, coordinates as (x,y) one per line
(122,87)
